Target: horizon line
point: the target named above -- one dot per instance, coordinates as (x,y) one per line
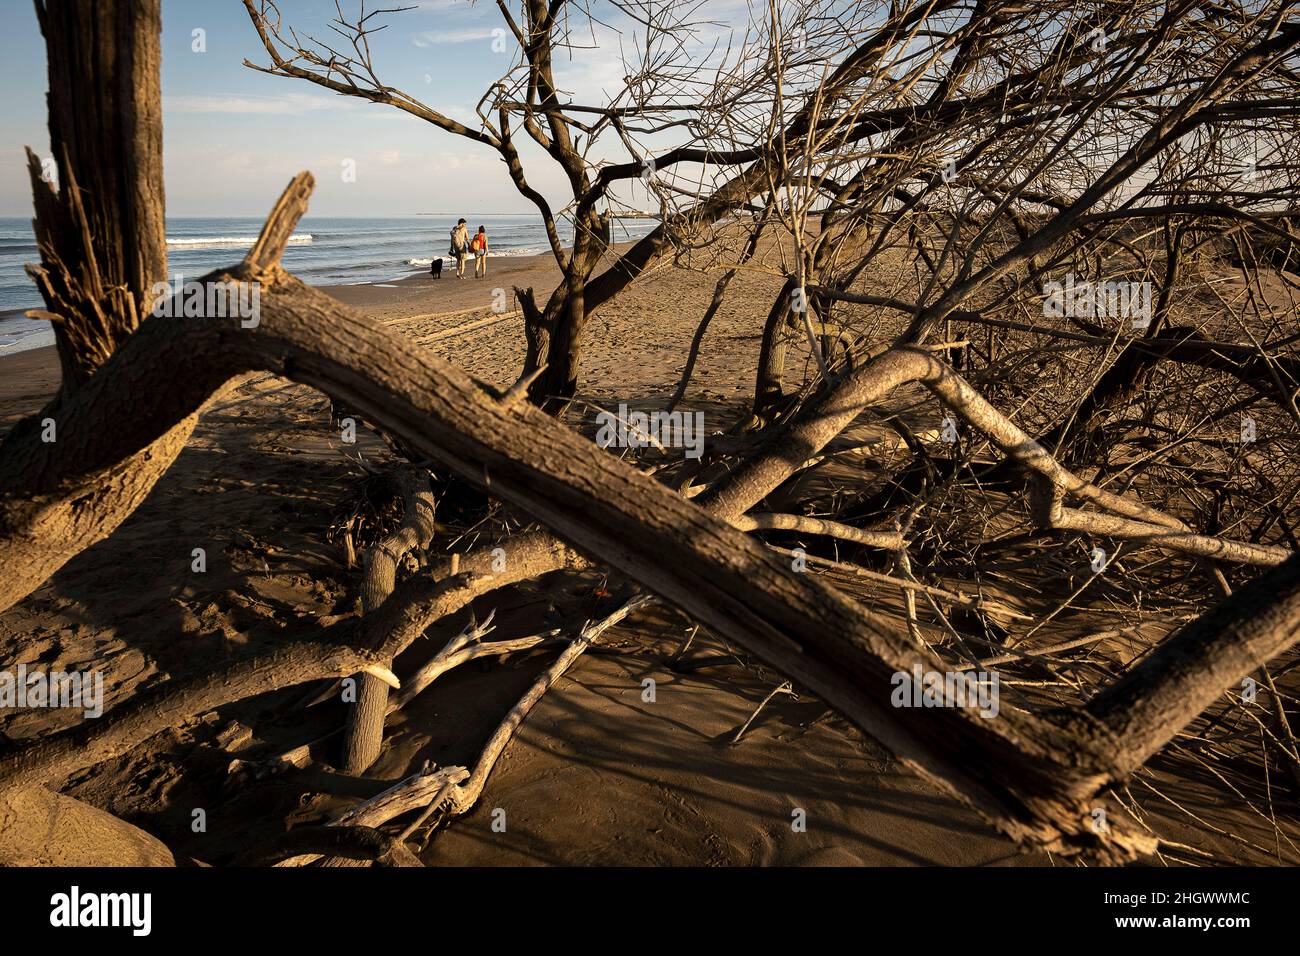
(262,215)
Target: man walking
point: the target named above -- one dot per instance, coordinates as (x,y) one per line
(460,247)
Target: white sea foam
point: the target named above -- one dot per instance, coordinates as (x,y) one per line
(217,242)
(526,251)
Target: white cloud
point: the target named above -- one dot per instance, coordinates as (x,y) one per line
(458,5)
(288,104)
(429,38)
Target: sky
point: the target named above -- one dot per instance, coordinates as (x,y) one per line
(233,137)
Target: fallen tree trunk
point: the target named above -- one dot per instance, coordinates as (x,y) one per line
(1191,668)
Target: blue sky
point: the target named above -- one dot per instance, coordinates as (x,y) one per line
(234,137)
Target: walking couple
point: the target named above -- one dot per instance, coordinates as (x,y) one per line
(462,246)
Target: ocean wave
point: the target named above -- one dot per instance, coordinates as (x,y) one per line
(496,253)
(19,334)
(213,242)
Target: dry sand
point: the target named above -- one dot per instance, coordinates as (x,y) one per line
(597,775)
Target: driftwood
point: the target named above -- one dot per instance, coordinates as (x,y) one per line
(456,787)
(415,791)
(427,788)
(462,649)
(350,842)
(890,541)
(465,795)
(365,728)
(338,652)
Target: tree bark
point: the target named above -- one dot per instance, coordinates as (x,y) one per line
(768,388)
(537,334)
(40,828)
(102,238)
(1190,669)
(364,734)
(559,382)
(103,247)
(567,319)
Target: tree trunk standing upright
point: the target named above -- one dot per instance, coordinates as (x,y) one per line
(103,246)
(559,382)
(105,122)
(537,335)
(768,388)
(566,316)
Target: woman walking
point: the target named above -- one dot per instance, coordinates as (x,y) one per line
(479,245)
(460,247)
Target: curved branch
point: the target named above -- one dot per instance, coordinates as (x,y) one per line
(800,439)
(889,540)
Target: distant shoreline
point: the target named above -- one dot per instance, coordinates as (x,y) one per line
(36,370)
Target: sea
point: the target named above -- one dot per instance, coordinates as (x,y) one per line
(323,251)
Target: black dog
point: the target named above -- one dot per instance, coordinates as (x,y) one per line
(435,269)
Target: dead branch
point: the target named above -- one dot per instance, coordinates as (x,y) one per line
(363,735)
(888,540)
